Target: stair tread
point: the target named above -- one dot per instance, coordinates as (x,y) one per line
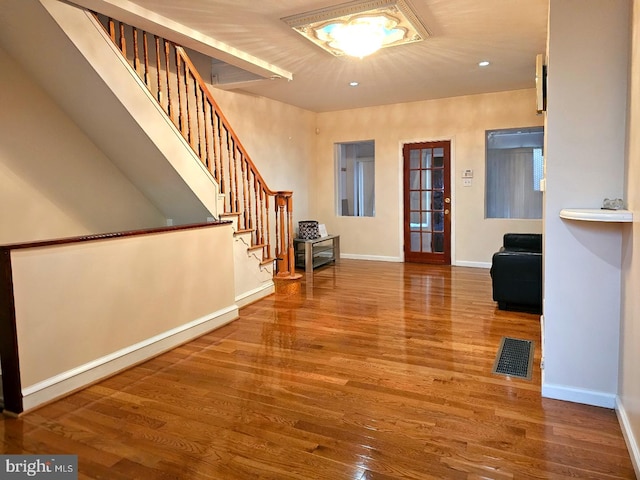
(244,230)
(230,214)
(257,247)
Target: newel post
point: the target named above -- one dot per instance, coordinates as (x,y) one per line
(284,231)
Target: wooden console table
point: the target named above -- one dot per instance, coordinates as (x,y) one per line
(314,253)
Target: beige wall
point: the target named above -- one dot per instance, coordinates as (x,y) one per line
(54,182)
(293,149)
(629,387)
(463,120)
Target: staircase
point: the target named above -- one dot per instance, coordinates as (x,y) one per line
(262,217)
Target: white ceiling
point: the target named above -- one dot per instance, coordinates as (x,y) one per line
(508,33)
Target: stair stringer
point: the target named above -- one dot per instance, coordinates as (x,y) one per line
(253,278)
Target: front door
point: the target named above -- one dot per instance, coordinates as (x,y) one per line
(427,202)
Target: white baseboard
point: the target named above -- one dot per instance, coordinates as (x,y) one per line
(256,294)
(379,258)
(579,395)
(464,263)
(79,377)
(629,438)
(376,258)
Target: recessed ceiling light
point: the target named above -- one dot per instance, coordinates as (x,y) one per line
(354,84)
(483,63)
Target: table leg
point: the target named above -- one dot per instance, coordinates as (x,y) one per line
(308,257)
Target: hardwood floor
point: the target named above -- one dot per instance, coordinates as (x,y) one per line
(374,371)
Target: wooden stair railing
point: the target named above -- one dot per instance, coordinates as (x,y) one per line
(172,79)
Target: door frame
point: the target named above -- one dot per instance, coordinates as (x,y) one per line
(452,170)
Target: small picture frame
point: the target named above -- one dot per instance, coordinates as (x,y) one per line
(322,229)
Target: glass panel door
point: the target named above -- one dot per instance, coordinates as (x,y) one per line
(427,202)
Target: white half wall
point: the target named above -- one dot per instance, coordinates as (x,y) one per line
(87,310)
(584,163)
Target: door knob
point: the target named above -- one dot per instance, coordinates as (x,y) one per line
(446,212)
(447,200)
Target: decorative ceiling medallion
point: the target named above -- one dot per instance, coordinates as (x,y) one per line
(360,28)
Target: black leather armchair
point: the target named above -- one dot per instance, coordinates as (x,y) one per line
(516,273)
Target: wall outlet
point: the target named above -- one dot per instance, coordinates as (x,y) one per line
(466,182)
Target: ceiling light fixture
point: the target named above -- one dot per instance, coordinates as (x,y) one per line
(360,28)
(484,63)
(353,84)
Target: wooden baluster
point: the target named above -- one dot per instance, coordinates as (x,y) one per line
(188,99)
(208,134)
(145,49)
(226,161)
(246,189)
(202,145)
(215,127)
(263,226)
(268,225)
(191,98)
(236,181)
(112,31)
(223,186)
(232,189)
(276,221)
(123,41)
(200,122)
(136,56)
(158,68)
(240,186)
(181,113)
(257,207)
(170,109)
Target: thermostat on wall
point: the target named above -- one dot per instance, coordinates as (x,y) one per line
(468,173)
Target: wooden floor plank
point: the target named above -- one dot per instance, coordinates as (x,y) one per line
(373,371)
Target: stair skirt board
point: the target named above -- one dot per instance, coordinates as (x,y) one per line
(256,294)
(84,375)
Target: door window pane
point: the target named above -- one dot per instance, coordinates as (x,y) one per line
(426,158)
(414,200)
(415,242)
(438,242)
(438,179)
(414,159)
(426,242)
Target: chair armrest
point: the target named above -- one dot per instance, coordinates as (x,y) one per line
(517,277)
